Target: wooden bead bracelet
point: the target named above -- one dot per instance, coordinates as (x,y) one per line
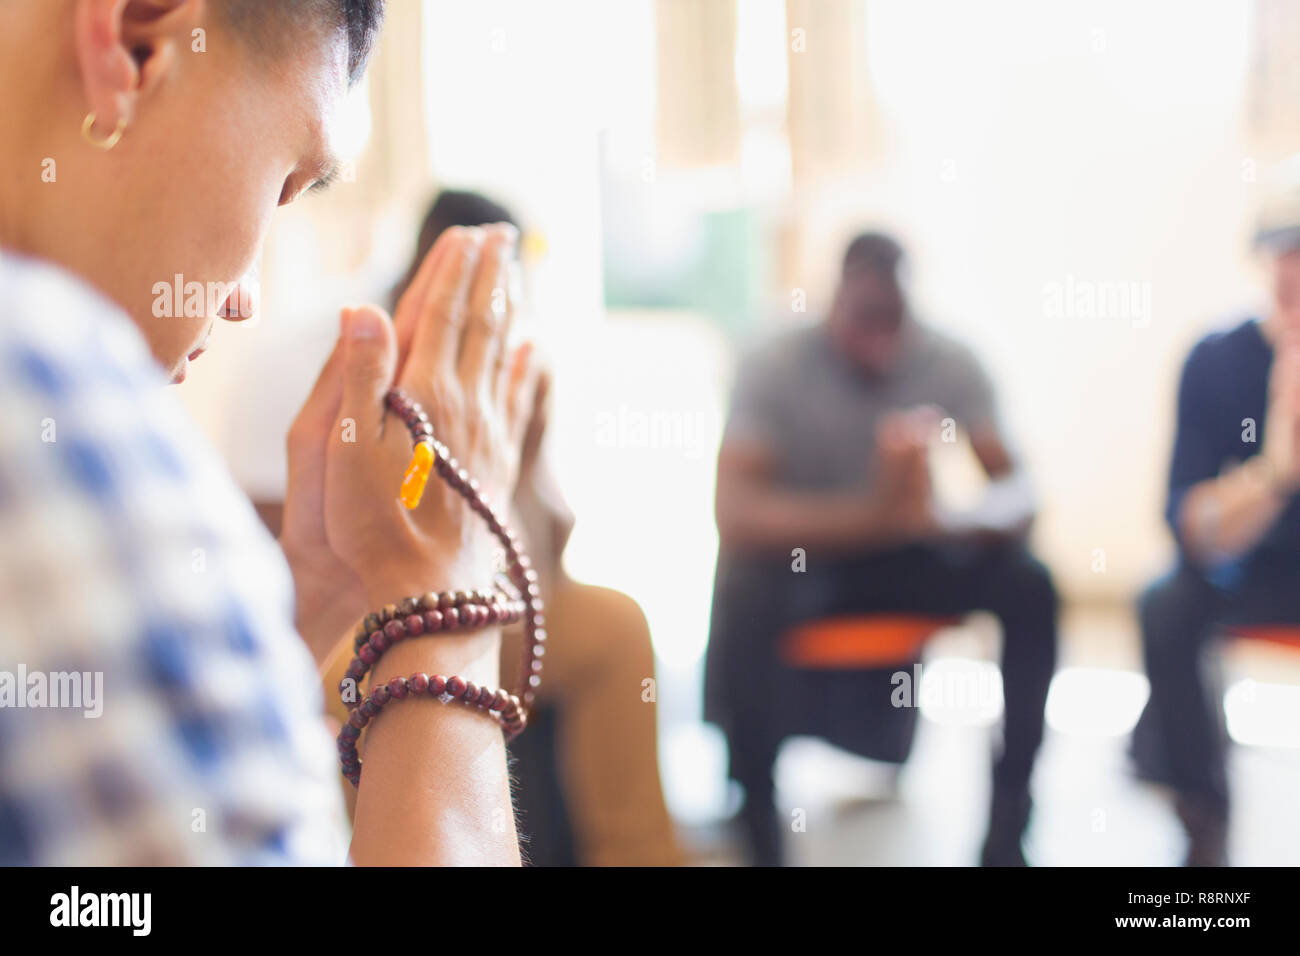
(432,613)
(505,707)
(439,611)
(516,595)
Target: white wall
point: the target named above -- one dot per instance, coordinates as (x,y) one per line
(1031,143)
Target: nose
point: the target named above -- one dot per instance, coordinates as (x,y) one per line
(242,303)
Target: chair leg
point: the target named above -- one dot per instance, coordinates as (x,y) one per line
(752,763)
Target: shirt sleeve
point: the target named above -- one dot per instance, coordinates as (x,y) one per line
(973,403)
(156,705)
(1197,454)
(753,417)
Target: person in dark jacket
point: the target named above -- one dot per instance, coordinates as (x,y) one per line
(1234,510)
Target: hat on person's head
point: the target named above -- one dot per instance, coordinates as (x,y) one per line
(1277,227)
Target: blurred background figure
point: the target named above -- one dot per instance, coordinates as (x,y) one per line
(588,788)
(700,197)
(826,460)
(1234,508)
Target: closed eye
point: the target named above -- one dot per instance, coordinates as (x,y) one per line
(325,181)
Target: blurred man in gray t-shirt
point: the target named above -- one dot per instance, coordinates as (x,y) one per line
(807,406)
(826,450)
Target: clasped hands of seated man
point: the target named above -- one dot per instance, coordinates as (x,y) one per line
(351,545)
(902,499)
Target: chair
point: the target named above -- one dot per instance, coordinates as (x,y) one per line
(837,688)
(860,641)
(1287,635)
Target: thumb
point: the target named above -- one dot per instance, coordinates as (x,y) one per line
(369,362)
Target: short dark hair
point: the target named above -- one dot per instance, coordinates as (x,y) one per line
(457,207)
(452,207)
(264,22)
(874,252)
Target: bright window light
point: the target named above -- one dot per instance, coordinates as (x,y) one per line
(761,67)
(1261,714)
(960,692)
(352,126)
(1096,702)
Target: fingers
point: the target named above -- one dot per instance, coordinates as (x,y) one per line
(892,434)
(926,419)
(488,317)
(441,312)
(911,429)
(368,366)
(407,313)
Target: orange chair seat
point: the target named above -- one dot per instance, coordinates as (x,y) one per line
(860,640)
(1285,634)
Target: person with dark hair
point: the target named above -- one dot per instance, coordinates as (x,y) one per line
(826,450)
(138,175)
(1234,510)
(874,252)
(451,207)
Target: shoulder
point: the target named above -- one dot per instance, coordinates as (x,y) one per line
(1229,358)
(87,428)
(1242,340)
(944,352)
(784,354)
(104,480)
(126,550)
(61,339)
(600,617)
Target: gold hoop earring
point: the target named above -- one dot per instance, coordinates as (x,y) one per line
(107,142)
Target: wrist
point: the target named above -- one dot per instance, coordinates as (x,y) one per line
(463,651)
(384,587)
(399,573)
(473,655)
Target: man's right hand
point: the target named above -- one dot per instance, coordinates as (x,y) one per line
(478,395)
(902,496)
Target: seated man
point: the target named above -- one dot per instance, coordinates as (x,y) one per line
(1234,511)
(826,451)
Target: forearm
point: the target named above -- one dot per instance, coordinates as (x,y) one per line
(759,518)
(435,789)
(1223,518)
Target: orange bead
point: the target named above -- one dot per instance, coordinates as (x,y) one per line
(417,475)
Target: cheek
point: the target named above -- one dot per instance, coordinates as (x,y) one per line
(1284,290)
(238,209)
(237,252)
(213,242)
(233,187)
(1286,279)
(215,217)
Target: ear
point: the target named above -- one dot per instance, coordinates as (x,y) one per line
(125,47)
